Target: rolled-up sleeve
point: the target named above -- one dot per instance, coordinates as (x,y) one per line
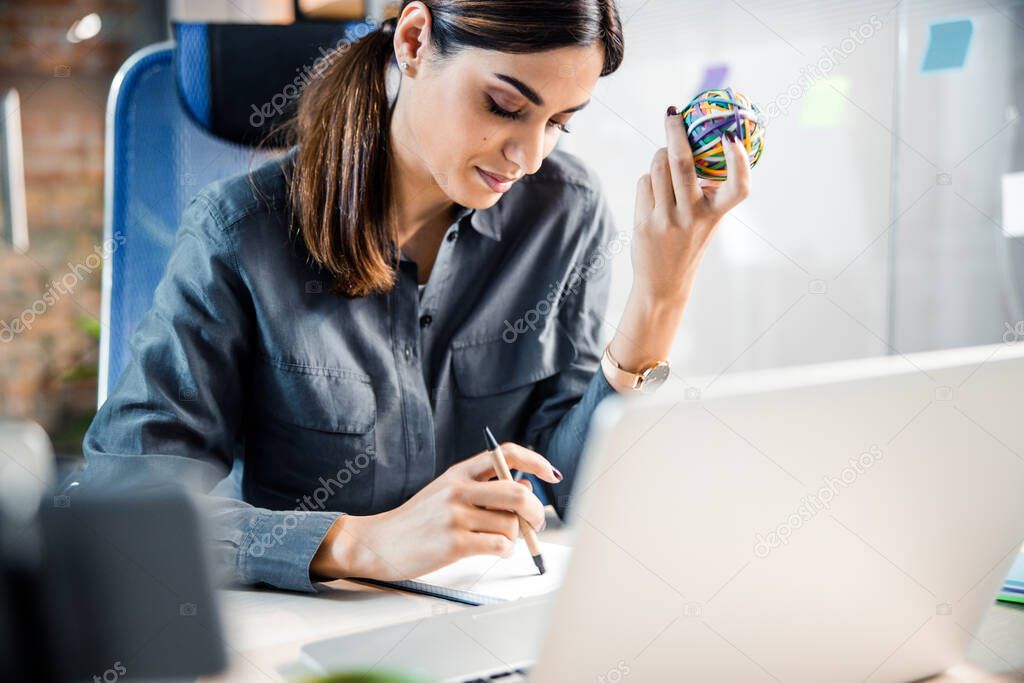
(566,402)
(176,414)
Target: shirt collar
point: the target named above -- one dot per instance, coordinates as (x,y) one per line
(483,221)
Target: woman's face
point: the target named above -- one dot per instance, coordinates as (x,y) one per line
(484,112)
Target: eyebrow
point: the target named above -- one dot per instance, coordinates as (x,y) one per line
(531,94)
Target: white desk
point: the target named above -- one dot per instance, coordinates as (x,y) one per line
(266,629)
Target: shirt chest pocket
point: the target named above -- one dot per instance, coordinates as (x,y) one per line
(495,378)
(314,445)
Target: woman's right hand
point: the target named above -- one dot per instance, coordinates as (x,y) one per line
(461,513)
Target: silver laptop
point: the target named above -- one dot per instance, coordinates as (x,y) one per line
(844,522)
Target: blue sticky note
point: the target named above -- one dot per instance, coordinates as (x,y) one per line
(947,45)
(714,77)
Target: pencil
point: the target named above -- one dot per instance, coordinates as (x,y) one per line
(501,468)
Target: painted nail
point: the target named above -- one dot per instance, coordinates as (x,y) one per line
(671,111)
(730,136)
(558,475)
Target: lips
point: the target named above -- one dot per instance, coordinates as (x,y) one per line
(497,183)
(499,178)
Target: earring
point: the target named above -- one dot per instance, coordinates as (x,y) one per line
(403,65)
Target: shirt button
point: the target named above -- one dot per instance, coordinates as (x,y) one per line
(425,320)
(453,235)
(408,352)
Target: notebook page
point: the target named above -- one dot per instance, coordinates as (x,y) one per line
(498,578)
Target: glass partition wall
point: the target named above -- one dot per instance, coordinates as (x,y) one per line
(875,224)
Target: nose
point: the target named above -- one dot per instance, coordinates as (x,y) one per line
(527,151)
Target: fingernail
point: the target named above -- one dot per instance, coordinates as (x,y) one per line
(558,474)
(729,136)
(671,111)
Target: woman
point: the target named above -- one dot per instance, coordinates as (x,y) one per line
(443,272)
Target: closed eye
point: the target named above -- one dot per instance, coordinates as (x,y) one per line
(493,107)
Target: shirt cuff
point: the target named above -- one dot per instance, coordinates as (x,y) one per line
(280,546)
(599,387)
(566,449)
(597,390)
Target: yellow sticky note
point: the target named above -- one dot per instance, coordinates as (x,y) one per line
(825,103)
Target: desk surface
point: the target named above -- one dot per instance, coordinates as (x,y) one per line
(266,629)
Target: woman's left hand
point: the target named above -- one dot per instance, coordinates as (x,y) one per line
(676,214)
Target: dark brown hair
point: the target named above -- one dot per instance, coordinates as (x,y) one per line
(339,189)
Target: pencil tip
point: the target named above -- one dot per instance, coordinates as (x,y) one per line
(492,443)
(539,561)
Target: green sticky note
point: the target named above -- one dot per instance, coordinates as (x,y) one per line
(825,103)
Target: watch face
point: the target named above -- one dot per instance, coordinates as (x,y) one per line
(655,377)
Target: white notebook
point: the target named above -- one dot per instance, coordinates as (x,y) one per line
(488,579)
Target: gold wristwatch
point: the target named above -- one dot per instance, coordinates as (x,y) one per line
(647,380)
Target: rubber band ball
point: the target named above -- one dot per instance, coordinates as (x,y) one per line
(709,116)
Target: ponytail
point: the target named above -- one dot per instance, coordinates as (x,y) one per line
(339,189)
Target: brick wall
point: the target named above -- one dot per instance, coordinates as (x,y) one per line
(48,366)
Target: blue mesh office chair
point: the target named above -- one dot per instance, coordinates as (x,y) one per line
(157,157)
(180,115)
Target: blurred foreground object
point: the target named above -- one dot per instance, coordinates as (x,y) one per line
(98,584)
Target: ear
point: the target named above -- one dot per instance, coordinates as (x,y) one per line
(412,36)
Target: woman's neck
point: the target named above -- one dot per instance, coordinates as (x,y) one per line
(417,202)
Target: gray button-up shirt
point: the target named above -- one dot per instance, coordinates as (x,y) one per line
(327,405)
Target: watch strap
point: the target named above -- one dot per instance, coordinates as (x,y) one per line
(615,371)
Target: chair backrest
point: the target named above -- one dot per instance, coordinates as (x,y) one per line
(177,119)
(157,158)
